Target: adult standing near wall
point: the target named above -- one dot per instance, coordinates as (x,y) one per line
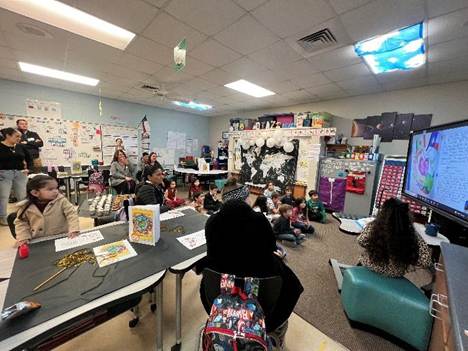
(32,142)
(15,161)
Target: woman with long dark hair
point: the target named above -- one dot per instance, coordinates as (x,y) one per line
(15,162)
(391,244)
(122,174)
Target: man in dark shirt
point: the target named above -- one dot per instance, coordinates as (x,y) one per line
(32,142)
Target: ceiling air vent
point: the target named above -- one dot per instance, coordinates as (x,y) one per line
(317,41)
(33,30)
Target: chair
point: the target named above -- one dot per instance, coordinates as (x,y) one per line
(106,178)
(392,305)
(269,290)
(11,223)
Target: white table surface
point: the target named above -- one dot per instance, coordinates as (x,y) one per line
(430,240)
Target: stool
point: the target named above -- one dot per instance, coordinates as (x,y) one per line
(393,305)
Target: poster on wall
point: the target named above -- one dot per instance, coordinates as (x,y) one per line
(421,122)
(402,128)
(262,164)
(129,137)
(41,108)
(85,138)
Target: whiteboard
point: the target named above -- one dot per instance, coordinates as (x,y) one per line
(66,141)
(130,142)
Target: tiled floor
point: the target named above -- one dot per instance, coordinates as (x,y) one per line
(116,335)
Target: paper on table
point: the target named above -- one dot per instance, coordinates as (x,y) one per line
(170,215)
(194,240)
(114,252)
(80,240)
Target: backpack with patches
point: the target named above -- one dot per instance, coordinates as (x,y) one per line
(236,321)
(96,182)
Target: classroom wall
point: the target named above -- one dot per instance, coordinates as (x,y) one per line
(84,107)
(447,103)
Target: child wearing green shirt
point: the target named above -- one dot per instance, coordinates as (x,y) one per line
(315,209)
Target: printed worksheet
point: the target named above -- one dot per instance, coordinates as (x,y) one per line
(114,252)
(171,215)
(194,240)
(80,240)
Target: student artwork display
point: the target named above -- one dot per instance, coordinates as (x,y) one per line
(114,252)
(144,224)
(129,137)
(390,125)
(262,164)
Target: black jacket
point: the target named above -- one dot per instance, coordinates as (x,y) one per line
(288,200)
(10,160)
(282,226)
(149,194)
(211,204)
(31,144)
(240,241)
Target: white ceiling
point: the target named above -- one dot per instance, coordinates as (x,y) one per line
(239,39)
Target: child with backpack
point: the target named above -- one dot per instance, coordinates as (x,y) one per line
(315,208)
(284,230)
(45,211)
(170,196)
(299,219)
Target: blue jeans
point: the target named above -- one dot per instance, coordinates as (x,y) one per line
(288,237)
(8,179)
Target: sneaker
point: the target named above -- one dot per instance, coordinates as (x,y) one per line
(301,236)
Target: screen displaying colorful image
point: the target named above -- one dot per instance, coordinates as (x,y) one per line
(437,169)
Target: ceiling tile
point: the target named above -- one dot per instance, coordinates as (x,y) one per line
(447,27)
(7,53)
(327,91)
(363,85)
(448,77)
(281,87)
(448,50)
(299,69)
(249,4)
(214,53)
(244,67)
(79,46)
(382,16)
(401,76)
(133,15)
(198,84)
(437,7)
(287,17)
(341,6)
(337,58)
(219,76)
(125,72)
(310,80)
(169,31)
(208,16)
(196,67)
(157,3)
(405,84)
(168,75)
(138,64)
(348,72)
(297,95)
(458,64)
(12,74)
(149,50)
(246,36)
(277,56)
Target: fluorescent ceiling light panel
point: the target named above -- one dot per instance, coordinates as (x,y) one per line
(402,49)
(60,15)
(54,73)
(248,88)
(193,105)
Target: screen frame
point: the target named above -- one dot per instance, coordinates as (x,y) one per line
(440,211)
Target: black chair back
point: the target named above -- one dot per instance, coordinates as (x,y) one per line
(106,176)
(268,291)
(11,223)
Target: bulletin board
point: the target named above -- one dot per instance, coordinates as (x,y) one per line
(130,142)
(66,141)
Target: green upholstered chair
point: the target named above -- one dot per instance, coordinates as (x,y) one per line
(393,305)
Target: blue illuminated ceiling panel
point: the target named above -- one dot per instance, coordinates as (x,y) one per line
(402,49)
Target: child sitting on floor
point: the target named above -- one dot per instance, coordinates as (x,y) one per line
(283,229)
(269,190)
(315,209)
(274,203)
(198,200)
(170,196)
(261,204)
(299,219)
(288,199)
(195,187)
(45,212)
(211,203)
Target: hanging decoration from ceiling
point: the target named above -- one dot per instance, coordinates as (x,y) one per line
(180,53)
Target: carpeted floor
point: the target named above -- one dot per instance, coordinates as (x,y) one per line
(320,303)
